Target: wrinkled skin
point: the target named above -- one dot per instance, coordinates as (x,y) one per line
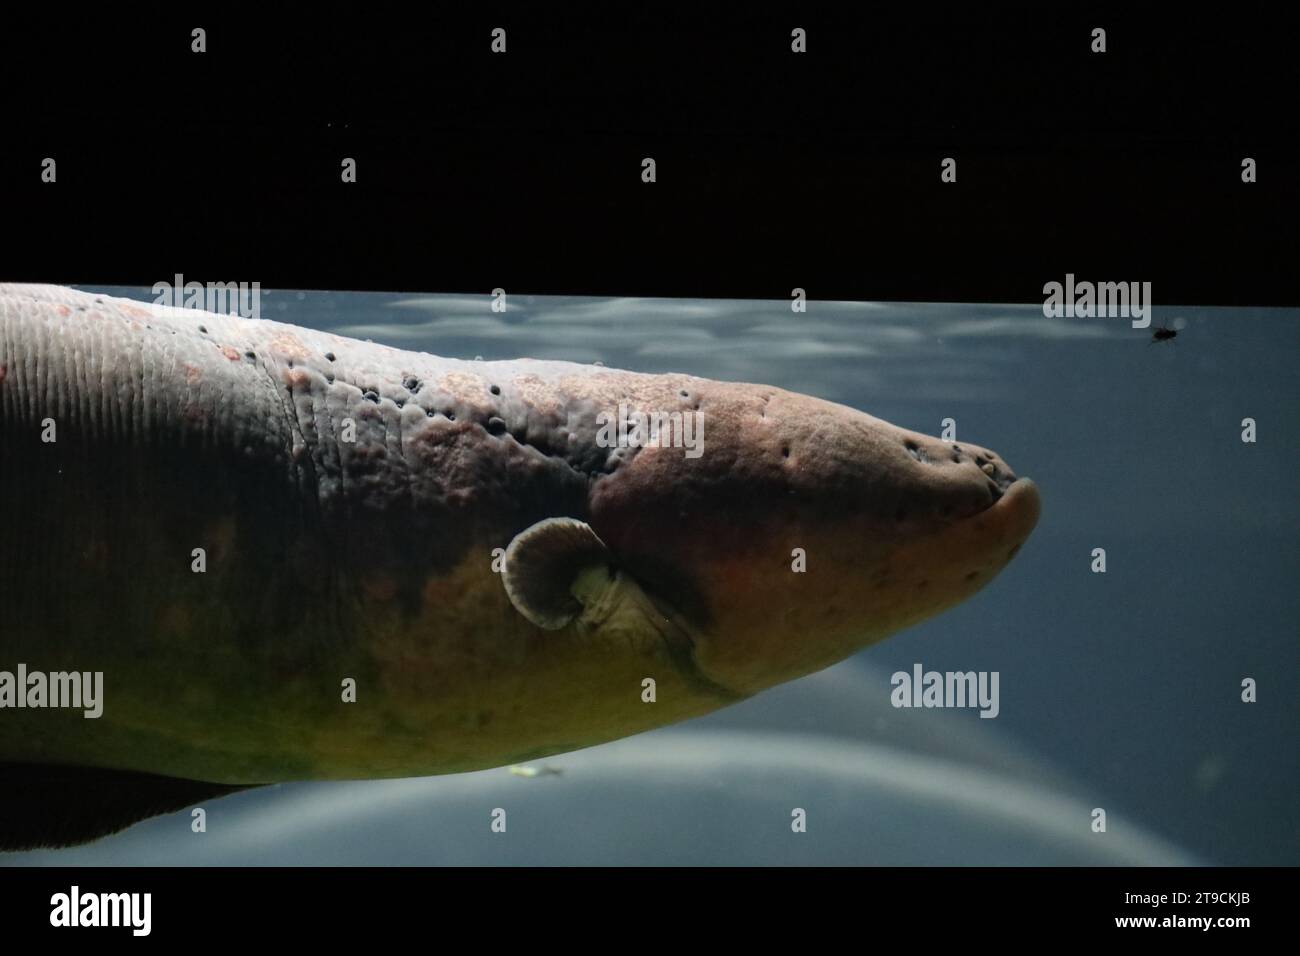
(373,560)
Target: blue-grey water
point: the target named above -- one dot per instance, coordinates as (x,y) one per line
(1120,691)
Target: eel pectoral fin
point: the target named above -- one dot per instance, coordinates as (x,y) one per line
(559,573)
(545,565)
(46,805)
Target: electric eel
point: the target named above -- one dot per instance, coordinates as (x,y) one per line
(290,555)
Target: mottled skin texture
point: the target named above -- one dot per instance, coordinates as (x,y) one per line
(179,430)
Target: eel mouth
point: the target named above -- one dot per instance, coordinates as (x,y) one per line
(932,572)
(999,479)
(1017,503)
(974,548)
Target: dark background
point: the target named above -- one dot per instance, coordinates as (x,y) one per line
(775,170)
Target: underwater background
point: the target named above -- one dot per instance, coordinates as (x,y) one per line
(1120,690)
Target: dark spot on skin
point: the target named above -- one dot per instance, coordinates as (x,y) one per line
(496,425)
(81,308)
(429,412)
(290,363)
(400,402)
(495,389)
(99,302)
(412,384)
(785,452)
(329,377)
(956,456)
(203,329)
(685,394)
(451,416)
(251,355)
(371,395)
(329,356)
